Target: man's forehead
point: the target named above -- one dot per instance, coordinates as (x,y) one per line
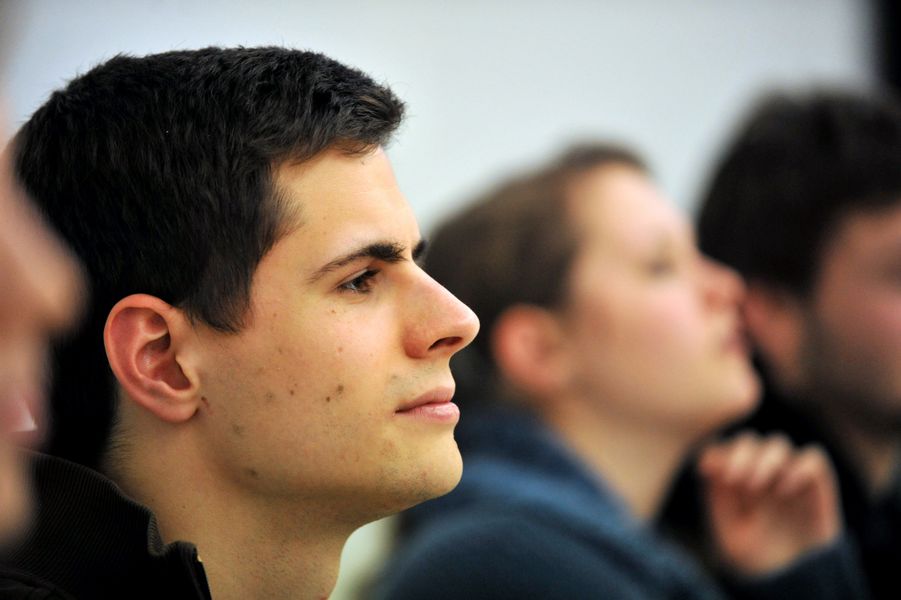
(344,203)
(324,165)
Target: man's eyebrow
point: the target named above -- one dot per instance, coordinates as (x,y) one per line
(385,251)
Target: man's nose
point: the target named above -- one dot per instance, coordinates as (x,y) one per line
(441,325)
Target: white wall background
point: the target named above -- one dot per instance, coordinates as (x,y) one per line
(494,85)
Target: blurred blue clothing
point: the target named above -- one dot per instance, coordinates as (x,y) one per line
(529,520)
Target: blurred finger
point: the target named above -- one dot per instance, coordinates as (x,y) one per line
(809,466)
(740,458)
(774,456)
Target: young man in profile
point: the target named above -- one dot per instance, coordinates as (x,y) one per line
(265,367)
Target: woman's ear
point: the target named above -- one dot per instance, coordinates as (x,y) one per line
(145,343)
(528,346)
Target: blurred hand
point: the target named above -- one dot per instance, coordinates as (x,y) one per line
(768,502)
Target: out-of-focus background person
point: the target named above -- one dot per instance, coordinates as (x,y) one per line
(610,348)
(806,204)
(40,293)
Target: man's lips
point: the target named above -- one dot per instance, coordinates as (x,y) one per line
(434,406)
(437,396)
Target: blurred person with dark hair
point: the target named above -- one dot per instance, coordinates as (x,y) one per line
(40,293)
(611,348)
(806,204)
(264,367)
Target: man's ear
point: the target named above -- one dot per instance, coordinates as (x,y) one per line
(527,343)
(775,319)
(145,340)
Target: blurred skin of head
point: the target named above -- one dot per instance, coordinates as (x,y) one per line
(649,328)
(841,345)
(40,295)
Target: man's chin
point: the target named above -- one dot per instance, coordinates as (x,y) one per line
(452,479)
(437,479)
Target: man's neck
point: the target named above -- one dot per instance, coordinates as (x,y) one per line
(246,561)
(874,454)
(249,550)
(872,451)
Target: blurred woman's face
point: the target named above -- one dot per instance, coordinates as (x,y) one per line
(652,326)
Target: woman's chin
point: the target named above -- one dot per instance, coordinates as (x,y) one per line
(743,398)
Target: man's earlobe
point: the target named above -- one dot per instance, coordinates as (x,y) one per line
(144,339)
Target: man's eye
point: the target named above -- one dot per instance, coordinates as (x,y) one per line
(360,284)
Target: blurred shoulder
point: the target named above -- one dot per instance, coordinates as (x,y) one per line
(499,555)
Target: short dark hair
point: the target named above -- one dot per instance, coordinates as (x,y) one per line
(158,171)
(798,166)
(513,245)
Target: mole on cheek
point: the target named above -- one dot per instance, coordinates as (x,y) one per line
(253,473)
(269,396)
(237,429)
(338,391)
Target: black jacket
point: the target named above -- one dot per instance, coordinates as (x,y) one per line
(88,541)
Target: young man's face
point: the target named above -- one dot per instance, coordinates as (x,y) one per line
(316,396)
(851,342)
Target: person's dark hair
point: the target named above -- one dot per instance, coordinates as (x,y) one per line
(798,166)
(513,245)
(158,172)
